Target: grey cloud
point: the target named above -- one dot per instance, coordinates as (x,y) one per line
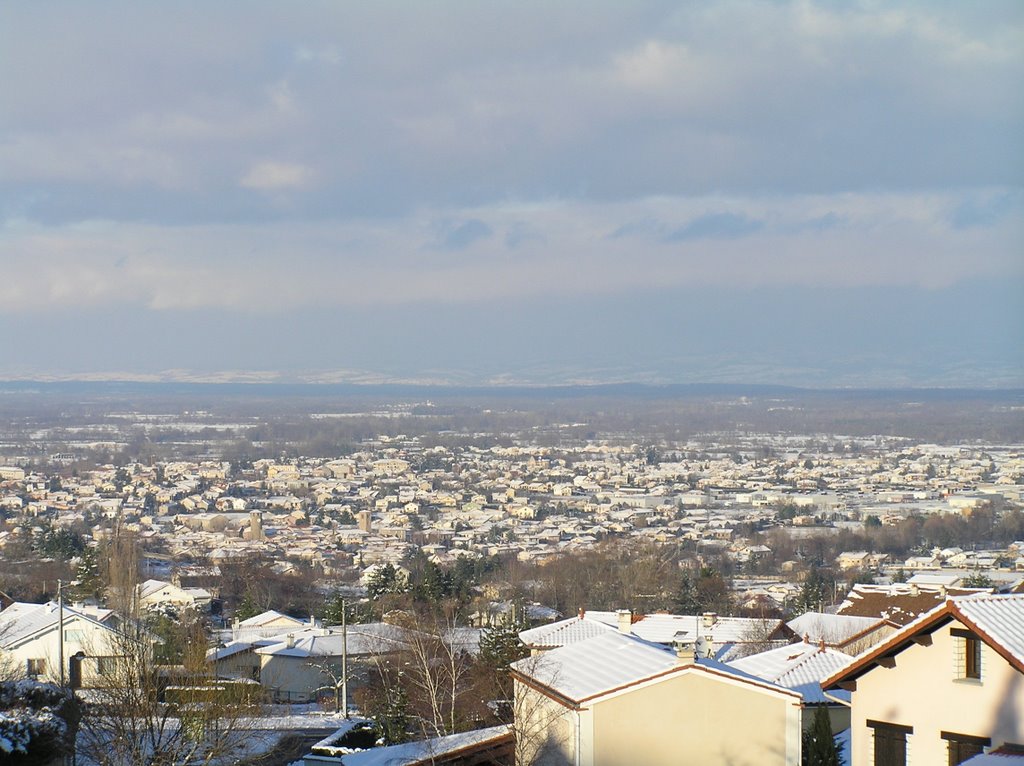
(648,227)
(716,226)
(985,210)
(398,107)
(462,235)
(521,233)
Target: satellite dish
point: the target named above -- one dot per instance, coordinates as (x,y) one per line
(702,649)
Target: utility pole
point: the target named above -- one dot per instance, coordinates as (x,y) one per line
(60,629)
(344,656)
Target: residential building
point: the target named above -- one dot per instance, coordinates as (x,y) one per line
(944,688)
(616,699)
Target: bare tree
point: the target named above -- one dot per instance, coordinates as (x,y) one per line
(542,727)
(140,713)
(137,713)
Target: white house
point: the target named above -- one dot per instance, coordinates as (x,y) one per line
(30,644)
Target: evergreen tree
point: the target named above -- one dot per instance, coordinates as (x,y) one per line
(88,577)
(247,608)
(500,645)
(819,746)
(813,593)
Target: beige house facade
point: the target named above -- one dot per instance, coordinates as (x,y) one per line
(614,700)
(947,687)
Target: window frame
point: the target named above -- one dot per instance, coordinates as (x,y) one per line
(969,643)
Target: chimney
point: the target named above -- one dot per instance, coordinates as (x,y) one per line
(914,590)
(684,649)
(582,613)
(942,591)
(289,640)
(625,618)
(710,618)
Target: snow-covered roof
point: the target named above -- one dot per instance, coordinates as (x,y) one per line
(372,638)
(599,665)
(834,629)
(564,632)
(657,628)
(21,621)
(425,751)
(236,647)
(998,620)
(999,617)
(900,603)
(995,759)
(269,616)
(800,667)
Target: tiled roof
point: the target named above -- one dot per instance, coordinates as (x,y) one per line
(597,665)
(834,629)
(998,619)
(901,603)
(800,667)
(564,632)
(658,628)
(427,751)
(608,662)
(21,620)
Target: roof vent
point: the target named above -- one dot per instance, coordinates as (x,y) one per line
(710,618)
(914,590)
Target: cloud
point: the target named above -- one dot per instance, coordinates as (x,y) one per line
(462,235)
(647,227)
(271,176)
(984,209)
(716,226)
(521,233)
(403,109)
(885,240)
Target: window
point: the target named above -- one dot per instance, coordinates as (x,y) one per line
(972,658)
(105,666)
(890,743)
(964,746)
(35,668)
(968,651)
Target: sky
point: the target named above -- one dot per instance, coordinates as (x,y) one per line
(807,193)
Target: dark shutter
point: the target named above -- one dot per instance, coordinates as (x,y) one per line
(964,746)
(890,743)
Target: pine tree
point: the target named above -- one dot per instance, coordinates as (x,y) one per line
(500,645)
(88,577)
(819,746)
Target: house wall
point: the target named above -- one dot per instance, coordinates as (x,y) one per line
(80,635)
(923,691)
(545,730)
(241,665)
(293,679)
(296,679)
(697,718)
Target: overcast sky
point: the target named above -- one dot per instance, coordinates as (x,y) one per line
(799,192)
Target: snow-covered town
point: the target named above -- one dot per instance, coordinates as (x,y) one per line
(449,596)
